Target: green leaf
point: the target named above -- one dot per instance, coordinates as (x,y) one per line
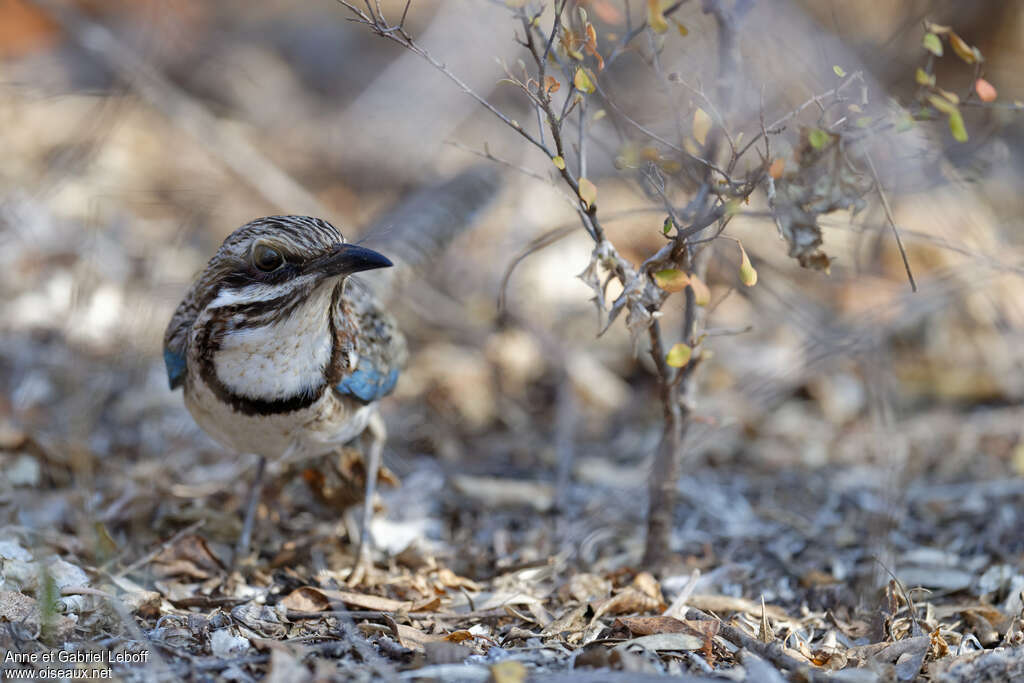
(678,355)
(818,138)
(932,43)
(956,126)
(583,81)
(733,206)
(863,122)
(668,225)
(943,104)
(839,71)
(671,280)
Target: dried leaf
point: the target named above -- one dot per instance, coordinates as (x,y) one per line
(629,600)
(962,49)
(655,16)
(460,636)
(986,91)
(551,85)
(701,125)
(306,599)
(190,557)
(665,642)
(645,626)
(363,601)
(679,355)
(775,170)
(701,293)
(683,31)
(932,43)
(508,671)
(588,192)
(648,585)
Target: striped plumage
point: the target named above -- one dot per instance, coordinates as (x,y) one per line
(287,362)
(281,354)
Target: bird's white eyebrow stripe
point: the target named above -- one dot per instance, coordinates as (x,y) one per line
(256,292)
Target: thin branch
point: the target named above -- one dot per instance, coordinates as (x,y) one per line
(486,154)
(892,221)
(397,34)
(535,245)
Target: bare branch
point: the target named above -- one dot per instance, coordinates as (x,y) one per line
(892,221)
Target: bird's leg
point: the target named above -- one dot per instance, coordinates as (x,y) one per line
(242,548)
(378,434)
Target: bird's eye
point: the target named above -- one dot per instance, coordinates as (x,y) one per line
(266,258)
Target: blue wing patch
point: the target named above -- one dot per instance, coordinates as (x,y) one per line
(175,363)
(367,383)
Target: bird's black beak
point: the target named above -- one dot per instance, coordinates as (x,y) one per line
(346,259)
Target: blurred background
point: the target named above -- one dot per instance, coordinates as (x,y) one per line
(134,136)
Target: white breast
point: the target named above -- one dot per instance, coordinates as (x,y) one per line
(279,360)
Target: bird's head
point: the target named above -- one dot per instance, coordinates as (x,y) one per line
(264,270)
(278,256)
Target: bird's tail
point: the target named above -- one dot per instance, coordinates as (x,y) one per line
(415,232)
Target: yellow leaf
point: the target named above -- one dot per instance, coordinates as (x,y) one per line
(588,192)
(599,114)
(655,17)
(962,49)
(942,104)
(678,355)
(559,163)
(748,275)
(701,125)
(671,280)
(924,78)
(628,156)
(649,153)
(986,91)
(701,293)
(683,31)
(839,71)
(583,81)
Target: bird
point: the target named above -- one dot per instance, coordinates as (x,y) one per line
(281,352)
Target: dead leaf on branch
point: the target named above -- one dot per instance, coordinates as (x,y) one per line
(824,181)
